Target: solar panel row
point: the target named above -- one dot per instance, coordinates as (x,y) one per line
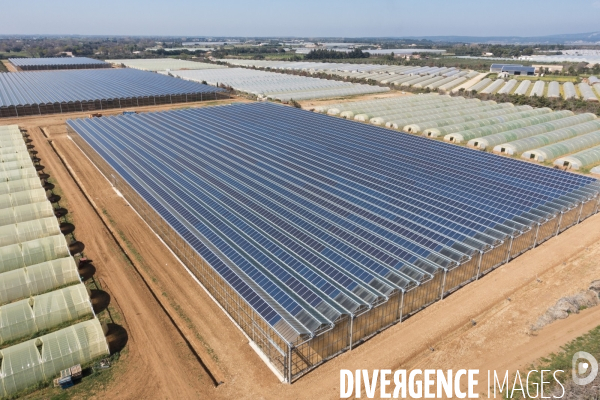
(48,92)
(318,222)
(28,64)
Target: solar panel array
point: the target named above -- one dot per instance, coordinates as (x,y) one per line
(27,64)
(312,218)
(48,92)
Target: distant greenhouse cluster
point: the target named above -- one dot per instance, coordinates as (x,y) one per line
(162,64)
(36,64)
(537,134)
(589,91)
(433,78)
(276,86)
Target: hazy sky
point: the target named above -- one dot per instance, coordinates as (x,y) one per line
(342,18)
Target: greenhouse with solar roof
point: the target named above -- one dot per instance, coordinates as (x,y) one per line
(315,233)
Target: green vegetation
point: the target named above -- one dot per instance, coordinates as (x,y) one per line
(590,343)
(324,54)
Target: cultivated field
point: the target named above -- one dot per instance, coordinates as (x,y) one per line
(181,345)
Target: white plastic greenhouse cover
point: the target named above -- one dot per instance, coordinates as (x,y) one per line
(33,252)
(479,85)
(425,127)
(23,197)
(449,130)
(592,80)
(17,174)
(538,89)
(553,90)
(452,84)
(520,133)
(28,363)
(523,87)
(556,150)
(491,88)
(430,109)
(508,87)
(26,212)
(399,122)
(36,279)
(583,159)
(29,230)
(521,145)
(43,312)
(569,90)
(595,170)
(20,185)
(586,92)
(505,126)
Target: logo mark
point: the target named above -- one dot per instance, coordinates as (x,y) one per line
(589,367)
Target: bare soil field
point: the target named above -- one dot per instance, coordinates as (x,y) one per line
(9,66)
(308,104)
(180,342)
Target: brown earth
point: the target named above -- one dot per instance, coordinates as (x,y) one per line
(308,104)
(171,320)
(9,66)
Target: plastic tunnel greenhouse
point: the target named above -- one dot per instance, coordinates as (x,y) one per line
(29,230)
(508,87)
(587,93)
(28,363)
(493,87)
(569,90)
(38,278)
(449,110)
(553,90)
(25,212)
(515,134)
(584,159)
(19,185)
(519,146)
(505,126)
(552,151)
(33,252)
(523,87)
(435,121)
(538,89)
(44,312)
(479,85)
(447,86)
(400,121)
(450,129)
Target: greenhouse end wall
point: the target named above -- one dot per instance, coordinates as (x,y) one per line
(293,360)
(106,104)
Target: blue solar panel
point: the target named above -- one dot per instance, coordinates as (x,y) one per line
(42,92)
(56,61)
(318,216)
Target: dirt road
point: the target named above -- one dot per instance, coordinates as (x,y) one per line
(161,365)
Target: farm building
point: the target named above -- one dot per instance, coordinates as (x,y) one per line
(512,69)
(51,92)
(314,233)
(38,64)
